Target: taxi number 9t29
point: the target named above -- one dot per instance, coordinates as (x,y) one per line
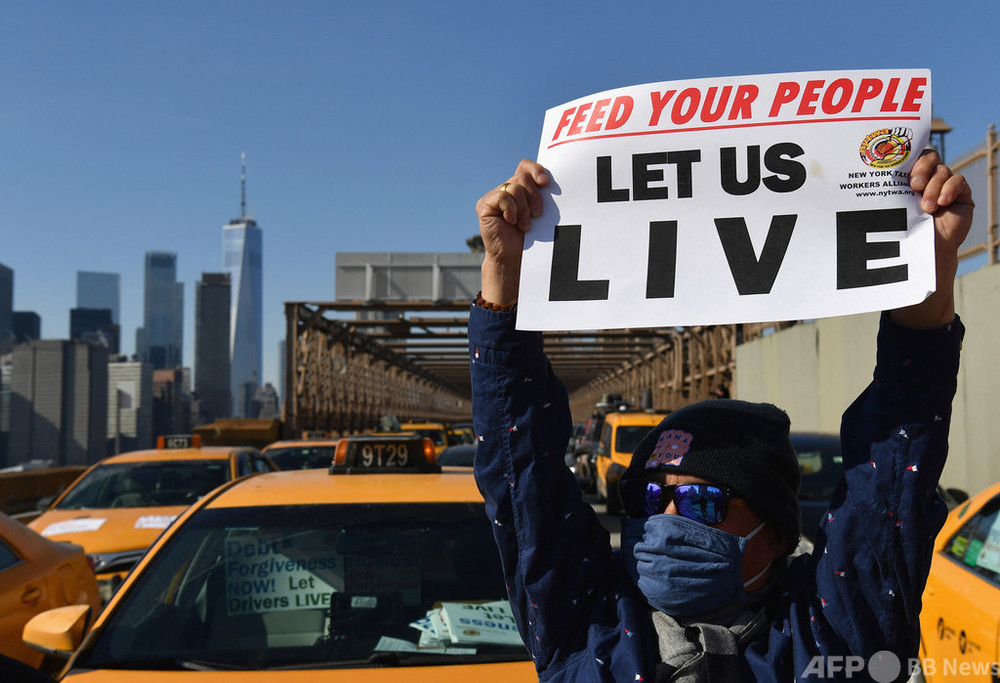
(384,455)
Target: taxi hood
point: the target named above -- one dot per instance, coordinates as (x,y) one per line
(108,530)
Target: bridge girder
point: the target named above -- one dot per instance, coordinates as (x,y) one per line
(410,359)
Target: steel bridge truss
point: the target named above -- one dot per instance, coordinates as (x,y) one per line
(412,361)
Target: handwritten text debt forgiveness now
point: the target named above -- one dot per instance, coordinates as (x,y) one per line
(717,104)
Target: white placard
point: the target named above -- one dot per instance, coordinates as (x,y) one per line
(724,200)
(73,526)
(154,521)
(488,622)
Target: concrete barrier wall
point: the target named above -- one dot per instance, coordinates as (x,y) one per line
(814,370)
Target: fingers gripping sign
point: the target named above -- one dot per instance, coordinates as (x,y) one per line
(505,214)
(948,197)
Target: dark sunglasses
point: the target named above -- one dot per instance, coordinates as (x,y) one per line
(703,503)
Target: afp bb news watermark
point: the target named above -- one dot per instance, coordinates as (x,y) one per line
(885,666)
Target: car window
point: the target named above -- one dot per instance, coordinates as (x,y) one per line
(606,439)
(302,457)
(627,437)
(145,484)
(332,585)
(8,558)
(977,543)
(244,465)
(821,464)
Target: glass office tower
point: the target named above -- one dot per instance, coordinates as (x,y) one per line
(241,249)
(212,299)
(99,290)
(159,341)
(6,305)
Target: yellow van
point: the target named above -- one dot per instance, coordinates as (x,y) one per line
(621,433)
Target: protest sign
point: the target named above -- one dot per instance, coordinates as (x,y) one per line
(264,576)
(742,199)
(475,622)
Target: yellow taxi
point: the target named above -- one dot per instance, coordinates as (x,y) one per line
(301,454)
(959,623)
(621,433)
(118,507)
(37,574)
(383,567)
(437,432)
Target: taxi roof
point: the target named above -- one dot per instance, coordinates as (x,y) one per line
(166,454)
(635,418)
(318,486)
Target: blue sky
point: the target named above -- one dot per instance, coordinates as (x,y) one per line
(368,126)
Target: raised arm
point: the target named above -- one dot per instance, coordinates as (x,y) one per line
(505,214)
(948,197)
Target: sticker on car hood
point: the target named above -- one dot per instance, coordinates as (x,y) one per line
(154,521)
(73,526)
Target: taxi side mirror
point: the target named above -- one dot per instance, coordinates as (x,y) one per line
(58,631)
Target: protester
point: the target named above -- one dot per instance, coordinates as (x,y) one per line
(707,591)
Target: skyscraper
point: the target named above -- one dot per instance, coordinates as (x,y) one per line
(242,260)
(130,406)
(27,326)
(6,305)
(159,341)
(212,299)
(59,403)
(94,325)
(99,290)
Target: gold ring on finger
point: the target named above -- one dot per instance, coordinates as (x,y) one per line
(503,188)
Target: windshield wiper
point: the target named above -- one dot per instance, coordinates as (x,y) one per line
(168,664)
(433,658)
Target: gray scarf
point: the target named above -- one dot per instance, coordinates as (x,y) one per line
(699,652)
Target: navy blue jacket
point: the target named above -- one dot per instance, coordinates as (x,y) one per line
(858,594)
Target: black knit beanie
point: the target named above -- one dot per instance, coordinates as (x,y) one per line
(741,445)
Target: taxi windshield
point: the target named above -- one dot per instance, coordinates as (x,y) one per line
(317,586)
(627,437)
(130,485)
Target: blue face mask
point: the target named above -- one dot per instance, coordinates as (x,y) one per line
(683,567)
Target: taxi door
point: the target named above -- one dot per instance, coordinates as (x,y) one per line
(960,621)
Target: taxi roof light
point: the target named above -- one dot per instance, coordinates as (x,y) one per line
(398,453)
(340,454)
(178,441)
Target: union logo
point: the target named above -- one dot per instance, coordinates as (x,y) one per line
(887,147)
(669,449)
